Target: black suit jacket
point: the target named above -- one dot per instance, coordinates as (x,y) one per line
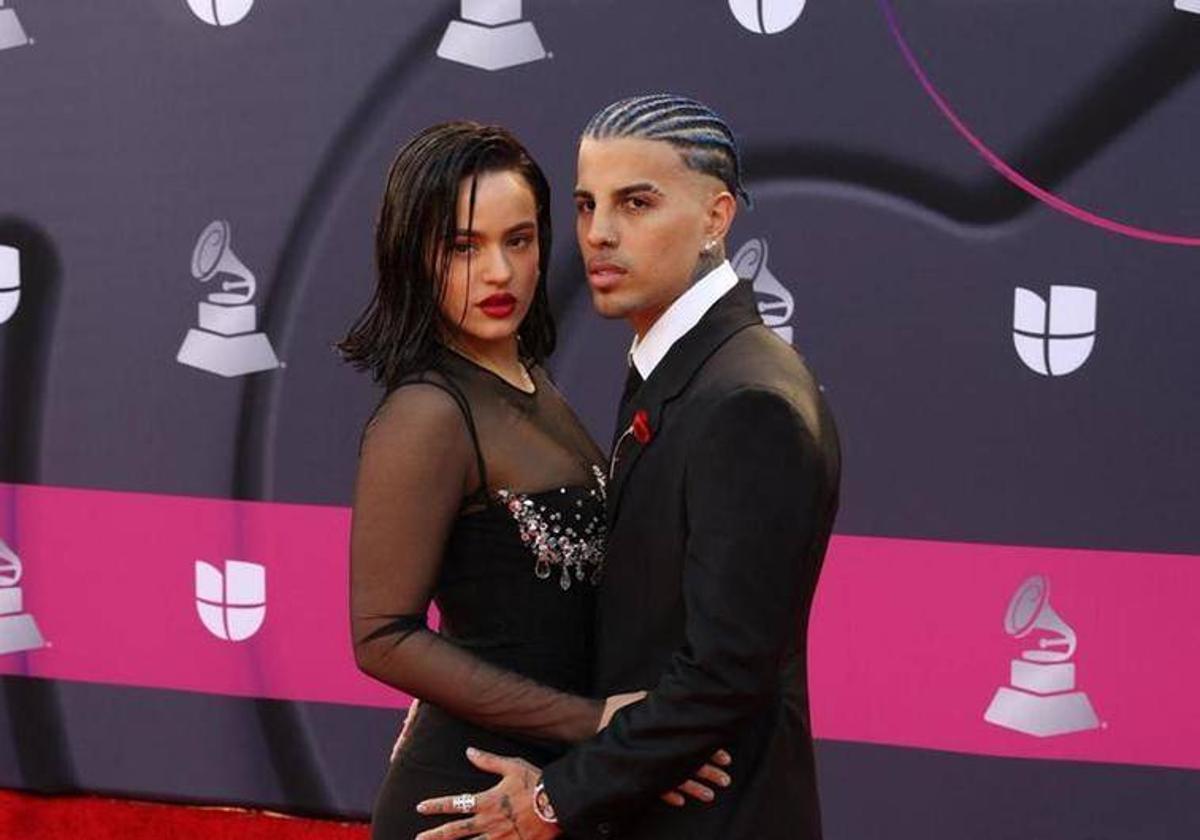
(718,527)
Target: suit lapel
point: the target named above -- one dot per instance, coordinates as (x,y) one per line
(735,311)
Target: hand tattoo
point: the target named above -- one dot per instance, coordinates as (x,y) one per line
(507,807)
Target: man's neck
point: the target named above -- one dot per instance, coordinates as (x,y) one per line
(644,319)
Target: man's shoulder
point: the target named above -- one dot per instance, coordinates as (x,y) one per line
(754,358)
(756,368)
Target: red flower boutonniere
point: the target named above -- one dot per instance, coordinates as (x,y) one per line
(641,432)
(640,427)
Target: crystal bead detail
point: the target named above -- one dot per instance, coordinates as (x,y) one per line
(577,549)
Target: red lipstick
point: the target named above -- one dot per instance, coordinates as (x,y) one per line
(499,305)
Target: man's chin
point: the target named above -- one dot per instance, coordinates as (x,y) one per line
(612,304)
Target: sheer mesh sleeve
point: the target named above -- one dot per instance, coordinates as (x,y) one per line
(416,464)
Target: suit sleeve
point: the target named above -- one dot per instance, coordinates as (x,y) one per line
(753,496)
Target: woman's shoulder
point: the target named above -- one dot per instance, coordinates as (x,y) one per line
(419,406)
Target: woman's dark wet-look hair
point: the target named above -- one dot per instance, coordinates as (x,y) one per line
(401,331)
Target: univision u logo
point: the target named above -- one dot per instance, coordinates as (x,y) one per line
(232,602)
(10,281)
(220,12)
(767,17)
(1055,338)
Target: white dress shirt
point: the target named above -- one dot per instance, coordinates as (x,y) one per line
(680,317)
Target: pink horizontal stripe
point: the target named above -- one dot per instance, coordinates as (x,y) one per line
(109,578)
(908,646)
(907,642)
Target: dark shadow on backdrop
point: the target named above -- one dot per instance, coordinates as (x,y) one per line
(1160,62)
(294,752)
(26,342)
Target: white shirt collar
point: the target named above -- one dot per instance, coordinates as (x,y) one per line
(680,317)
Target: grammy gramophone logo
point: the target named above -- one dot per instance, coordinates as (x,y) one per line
(1041,698)
(12,34)
(227,341)
(18,630)
(775,302)
(491,36)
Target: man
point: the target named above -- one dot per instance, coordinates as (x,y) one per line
(724,487)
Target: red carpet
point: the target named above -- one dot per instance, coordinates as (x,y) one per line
(33,817)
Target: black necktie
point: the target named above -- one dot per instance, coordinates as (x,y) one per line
(633,381)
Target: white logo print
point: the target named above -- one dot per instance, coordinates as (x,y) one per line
(1188,6)
(12,34)
(10,281)
(775,302)
(491,36)
(767,17)
(226,342)
(18,631)
(1041,699)
(232,604)
(220,12)
(1055,339)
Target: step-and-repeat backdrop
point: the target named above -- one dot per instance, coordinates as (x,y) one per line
(978,221)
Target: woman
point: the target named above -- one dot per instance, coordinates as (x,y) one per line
(477,485)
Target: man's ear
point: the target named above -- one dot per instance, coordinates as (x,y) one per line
(722,208)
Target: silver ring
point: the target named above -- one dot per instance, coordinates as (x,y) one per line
(464,803)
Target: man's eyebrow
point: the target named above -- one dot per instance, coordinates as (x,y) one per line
(632,189)
(623,192)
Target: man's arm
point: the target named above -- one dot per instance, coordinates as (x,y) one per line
(752,485)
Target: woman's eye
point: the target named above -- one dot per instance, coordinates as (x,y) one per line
(635,203)
(464,247)
(584,206)
(519,242)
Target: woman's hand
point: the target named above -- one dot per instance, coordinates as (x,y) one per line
(618,701)
(711,773)
(403,736)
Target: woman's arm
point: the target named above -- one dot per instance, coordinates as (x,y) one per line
(416,461)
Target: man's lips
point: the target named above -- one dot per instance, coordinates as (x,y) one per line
(604,274)
(498,305)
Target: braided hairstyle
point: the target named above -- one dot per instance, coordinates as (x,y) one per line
(703,139)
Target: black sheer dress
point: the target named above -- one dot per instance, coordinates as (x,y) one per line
(489,501)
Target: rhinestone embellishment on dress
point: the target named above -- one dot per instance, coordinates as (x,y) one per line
(569,538)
